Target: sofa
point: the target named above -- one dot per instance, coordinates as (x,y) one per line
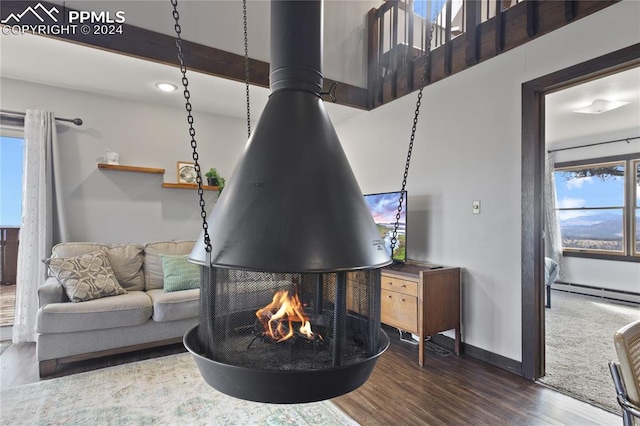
(78,319)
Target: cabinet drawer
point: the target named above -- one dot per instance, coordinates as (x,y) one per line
(401,286)
(399,310)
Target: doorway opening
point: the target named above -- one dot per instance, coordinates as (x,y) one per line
(590,201)
(533,156)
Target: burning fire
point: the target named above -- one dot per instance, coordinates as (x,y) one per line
(279,316)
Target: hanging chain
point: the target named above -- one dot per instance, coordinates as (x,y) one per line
(246,65)
(192,132)
(423,81)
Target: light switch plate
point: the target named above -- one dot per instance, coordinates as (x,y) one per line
(475,207)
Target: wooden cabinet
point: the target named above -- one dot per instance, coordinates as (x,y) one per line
(422,299)
(399,304)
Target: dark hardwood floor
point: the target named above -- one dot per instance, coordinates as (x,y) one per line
(449,390)
(458,390)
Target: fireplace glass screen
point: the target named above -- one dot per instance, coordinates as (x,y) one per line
(285,321)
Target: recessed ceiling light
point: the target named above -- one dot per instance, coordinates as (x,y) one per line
(166,87)
(599,106)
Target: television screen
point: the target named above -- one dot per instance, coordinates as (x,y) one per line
(383,208)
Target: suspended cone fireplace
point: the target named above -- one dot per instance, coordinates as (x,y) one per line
(290,295)
(262,354)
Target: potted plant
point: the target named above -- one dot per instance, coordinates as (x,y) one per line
(214,179)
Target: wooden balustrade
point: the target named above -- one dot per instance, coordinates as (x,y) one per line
(9,240)
(465,33)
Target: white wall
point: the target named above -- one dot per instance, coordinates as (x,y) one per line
(113,206)
(345,30)
(609,274)
(468,147)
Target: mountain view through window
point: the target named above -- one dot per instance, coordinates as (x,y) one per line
(590,202)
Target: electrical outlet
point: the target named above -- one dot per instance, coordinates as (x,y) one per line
(475,207)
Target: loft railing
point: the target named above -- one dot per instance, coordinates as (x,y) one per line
(9,240)
(465,32)
(399,30)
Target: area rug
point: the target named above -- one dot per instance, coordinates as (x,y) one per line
(579,346)
(161,391)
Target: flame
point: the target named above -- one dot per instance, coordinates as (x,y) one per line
(279,316)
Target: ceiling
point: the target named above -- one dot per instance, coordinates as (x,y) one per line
(562,124)
(105,73)
(101,72)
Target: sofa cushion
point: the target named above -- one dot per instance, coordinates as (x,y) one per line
(179,273)
(125,259)
(176,305)
(85,277)
(132,308)
(153,272)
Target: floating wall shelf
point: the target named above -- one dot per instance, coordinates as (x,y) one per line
(154,170)
(134,169)
(189,186)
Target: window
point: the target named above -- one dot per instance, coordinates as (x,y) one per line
(599,206)
(11,181)
(10,216)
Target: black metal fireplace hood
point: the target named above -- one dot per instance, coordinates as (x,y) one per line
(293,203)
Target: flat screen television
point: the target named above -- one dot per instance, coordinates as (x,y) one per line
(383,208)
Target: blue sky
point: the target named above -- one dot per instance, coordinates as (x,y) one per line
(420,7)
(384,207)
(10,181)
(588,192)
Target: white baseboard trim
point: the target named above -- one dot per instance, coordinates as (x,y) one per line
(6,333)
(598,292)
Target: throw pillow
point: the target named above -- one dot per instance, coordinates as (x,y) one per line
(179,273)
(85,277)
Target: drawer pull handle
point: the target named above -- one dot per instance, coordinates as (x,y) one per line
(404,286)
(389,296)
(402,300)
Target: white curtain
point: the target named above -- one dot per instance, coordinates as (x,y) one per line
(43,221)
(553,236)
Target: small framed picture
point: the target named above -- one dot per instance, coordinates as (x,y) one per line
(186,172)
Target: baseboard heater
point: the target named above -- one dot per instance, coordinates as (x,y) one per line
(619,295)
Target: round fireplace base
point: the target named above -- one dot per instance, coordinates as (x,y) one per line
(282,386)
